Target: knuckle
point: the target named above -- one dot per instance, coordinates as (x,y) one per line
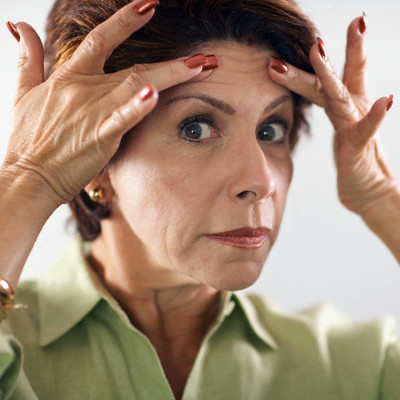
(355,68)
(122,22)
(173,71)
(60,75)
(95,41)
(60,81)
(23,62)
(319,90)
(72,95)
(140,69)
(343,95)
(118,118)
(134,80)
(361,64)
(317,84)
(70,92)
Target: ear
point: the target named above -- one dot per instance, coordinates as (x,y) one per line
(102,184)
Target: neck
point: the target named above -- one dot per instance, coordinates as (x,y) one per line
(174,313)
(167,312)
(154,298)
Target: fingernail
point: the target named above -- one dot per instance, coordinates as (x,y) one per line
(195,61)
(389,106)
(146,93)
(144,6)
(211,63)
(13,29)
(278,65)
(363,23)
(322,48)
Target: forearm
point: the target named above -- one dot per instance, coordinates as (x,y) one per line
(383,218)
(25,206)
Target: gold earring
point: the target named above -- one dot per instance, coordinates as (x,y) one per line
(96,195)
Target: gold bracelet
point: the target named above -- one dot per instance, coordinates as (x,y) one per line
(7,299)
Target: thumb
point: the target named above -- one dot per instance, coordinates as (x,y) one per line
(30,61)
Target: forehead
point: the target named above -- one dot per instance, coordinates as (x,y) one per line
(242,74)
(239,57)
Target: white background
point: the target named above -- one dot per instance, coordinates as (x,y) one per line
(324,253)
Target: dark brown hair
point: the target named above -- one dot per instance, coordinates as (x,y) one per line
(177,29)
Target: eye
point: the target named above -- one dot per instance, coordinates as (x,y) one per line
(197,131)
(198,128)
(273,132)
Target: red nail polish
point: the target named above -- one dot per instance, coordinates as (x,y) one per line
(146,93)
(322,48)
(195,61)
(144,6)
(14,31)
(389,106)
(362,23)
(211,63)
(278,65)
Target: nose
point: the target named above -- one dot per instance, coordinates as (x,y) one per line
(251,174)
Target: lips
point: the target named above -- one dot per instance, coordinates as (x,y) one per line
(246,238)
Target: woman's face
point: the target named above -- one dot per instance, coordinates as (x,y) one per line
(201,183)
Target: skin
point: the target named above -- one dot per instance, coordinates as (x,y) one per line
(365,182)
(186,190)
(158,262)
(44,124)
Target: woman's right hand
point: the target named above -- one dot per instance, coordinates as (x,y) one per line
(67,128)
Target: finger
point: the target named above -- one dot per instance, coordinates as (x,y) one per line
(297,81)
(30,61)
(369,125)
(355,70)
(90,56)
(339,103)
(164,75)
(128,115)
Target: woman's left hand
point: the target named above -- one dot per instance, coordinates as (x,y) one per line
(364,178)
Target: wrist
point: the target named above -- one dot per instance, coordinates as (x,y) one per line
(383,217)
(28,189)
(386,206)
(25,206)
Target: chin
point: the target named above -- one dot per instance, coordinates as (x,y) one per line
(240,276)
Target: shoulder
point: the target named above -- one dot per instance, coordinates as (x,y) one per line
(322,316)
(320,327)
(319,350)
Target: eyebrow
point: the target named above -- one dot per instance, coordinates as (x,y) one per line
(225,107)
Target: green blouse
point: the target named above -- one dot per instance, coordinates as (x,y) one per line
(74,342)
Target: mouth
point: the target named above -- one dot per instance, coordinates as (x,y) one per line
(245,238)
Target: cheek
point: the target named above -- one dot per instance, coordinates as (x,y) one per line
(280,164)
(164,194)
(282,174)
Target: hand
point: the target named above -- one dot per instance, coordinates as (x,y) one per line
(68,127)
(363,176)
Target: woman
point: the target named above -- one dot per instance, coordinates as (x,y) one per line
(184,208)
